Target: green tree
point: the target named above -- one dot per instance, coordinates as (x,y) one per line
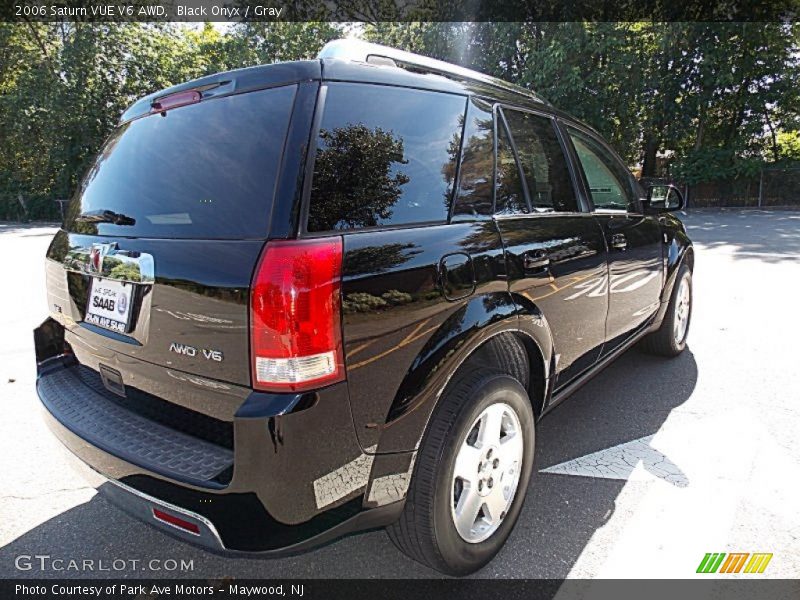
(788,143)
(697,100)
(63,87)
(714,95)
(255,43)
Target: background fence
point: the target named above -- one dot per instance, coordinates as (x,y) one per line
(773,187)
(15,206)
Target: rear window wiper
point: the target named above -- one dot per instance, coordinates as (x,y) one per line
(105,216)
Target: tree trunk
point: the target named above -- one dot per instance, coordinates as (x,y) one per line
(649,161)
(698,140)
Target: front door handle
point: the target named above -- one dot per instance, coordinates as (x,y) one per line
(619,241)
(535,260)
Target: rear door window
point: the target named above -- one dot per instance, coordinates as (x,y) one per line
(474,197)
(542,161)
(385,156)
(207,170)
(510,196)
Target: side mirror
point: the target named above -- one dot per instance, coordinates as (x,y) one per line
(664,198)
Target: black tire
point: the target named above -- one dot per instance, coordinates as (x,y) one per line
(505,353)
(426,531)
(662,341)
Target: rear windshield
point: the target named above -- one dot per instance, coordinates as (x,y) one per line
(205,170)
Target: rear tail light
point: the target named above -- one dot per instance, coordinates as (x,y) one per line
(296,341)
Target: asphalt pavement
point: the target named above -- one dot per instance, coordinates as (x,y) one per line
(712,433)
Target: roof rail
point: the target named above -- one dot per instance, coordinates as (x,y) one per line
(358,50)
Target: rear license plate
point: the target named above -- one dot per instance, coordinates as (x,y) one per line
(109,304)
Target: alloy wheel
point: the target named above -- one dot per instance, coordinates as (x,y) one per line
(682,311)
(486,473)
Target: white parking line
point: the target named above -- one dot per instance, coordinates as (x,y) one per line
(636,460)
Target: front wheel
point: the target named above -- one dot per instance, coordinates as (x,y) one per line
(670,338)
(471,475)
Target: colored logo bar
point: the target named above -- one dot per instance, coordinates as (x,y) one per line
(714,562)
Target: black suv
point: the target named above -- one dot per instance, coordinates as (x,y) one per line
(293,301)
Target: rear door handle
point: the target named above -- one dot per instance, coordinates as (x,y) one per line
(619,241)
(535,260)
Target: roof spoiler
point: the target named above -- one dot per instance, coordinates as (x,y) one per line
(357,50)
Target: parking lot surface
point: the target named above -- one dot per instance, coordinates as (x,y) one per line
(642,472)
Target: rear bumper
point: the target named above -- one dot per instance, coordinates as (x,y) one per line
(192,527)
(143,507)
(277,489)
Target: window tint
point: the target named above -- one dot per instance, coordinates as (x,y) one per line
(508,184)
(542,161)
(385,156)
(206,170)
(611,185)
(477,156)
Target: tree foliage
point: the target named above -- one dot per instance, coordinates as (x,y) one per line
(63,87)
(710,99)
(699,101)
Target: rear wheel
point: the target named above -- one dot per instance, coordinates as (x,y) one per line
(471,475)
(670,338)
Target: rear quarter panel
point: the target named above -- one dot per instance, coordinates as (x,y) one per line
(399,329)
(678,247)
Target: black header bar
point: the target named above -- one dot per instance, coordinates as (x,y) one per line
(399,10)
